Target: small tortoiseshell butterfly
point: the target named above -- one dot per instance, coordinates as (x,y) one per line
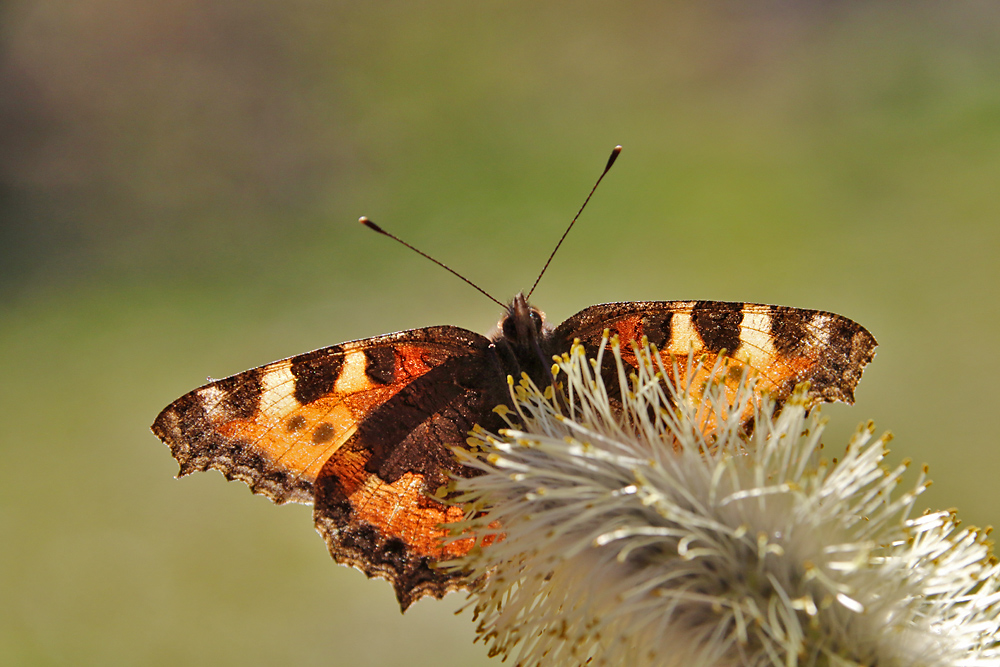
(363,430)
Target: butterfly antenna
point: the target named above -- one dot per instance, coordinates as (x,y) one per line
(607,167)
(371,225)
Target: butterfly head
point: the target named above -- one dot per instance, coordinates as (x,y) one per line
(523,325)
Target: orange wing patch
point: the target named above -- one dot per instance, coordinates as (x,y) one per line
(389,530)
(401,509)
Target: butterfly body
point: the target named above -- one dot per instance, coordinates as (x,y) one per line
(364,430)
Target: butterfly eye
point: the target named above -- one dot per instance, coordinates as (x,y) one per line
(509,329)
(536,317)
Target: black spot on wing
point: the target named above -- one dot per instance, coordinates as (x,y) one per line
(315,374)
(393,553)
(331,502)
(241,394)
(789,329)
(656,327)
(323,433)
(362,537)
(718,324)
(380,364)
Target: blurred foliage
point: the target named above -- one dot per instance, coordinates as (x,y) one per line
(179,185)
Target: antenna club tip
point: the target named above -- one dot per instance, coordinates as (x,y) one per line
(614,156)
(369,224)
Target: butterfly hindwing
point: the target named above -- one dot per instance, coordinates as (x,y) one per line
(374,503)
(782,346)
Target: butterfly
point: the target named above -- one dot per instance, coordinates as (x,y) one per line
(364,431)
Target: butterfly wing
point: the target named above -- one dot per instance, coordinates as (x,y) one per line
(363,431)
(782,346)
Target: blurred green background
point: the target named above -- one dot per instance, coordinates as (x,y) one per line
(179,189)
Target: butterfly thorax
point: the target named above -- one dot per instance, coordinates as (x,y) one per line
(523,342)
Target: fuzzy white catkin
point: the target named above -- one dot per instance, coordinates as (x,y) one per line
(650,529)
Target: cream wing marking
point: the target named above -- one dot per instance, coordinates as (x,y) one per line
(756,345)
(352,376)
(683,337)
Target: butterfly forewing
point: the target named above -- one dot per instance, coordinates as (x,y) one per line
(274,427)
(780,346)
